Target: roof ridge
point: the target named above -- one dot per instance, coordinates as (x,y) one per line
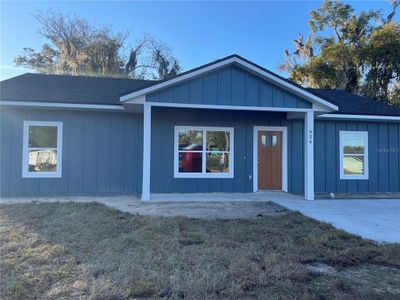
(81,76)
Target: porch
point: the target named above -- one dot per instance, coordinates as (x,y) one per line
(248,132)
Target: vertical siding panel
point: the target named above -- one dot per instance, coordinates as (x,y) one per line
(116,154)
(331,157)
(238,87)
(297,157)
(265,97)
(167,95)
(128,178)
(239,152)
(5,151)
(341,185)
(156,159)
(251,91)
(91,136)
(224,86)
(76,150)
(373,157)
(153,97)
(393,158)
(289,153)
(289,100)
(248,143)
(181,93)
(211,89)
(302,103)
(277,97)
(319,157)
(383,157)
(103,155)
(196,95)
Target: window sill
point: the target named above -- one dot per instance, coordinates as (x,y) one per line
(356,177)
(205,176)
(41,175)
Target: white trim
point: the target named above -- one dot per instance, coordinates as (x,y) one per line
(146,152)
(309,156)
(311,97)
(229,107)
(256,129)
(359,117)
(204,174)
(61,105)
(25,153)
(365,176)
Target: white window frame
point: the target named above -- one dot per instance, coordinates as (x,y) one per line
(364,135)
(25,150)
(204,173)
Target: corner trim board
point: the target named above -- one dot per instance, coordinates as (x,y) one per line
(146,152)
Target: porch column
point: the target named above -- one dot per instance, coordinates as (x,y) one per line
(146,151)
(309,155)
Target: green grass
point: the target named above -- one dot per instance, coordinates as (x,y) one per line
(71,250)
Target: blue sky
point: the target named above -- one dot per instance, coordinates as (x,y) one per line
(198,32)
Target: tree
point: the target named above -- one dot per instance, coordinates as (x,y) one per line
(359,53)
(75,47)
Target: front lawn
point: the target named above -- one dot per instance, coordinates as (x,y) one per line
(86,250)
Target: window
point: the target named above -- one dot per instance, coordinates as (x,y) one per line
(42,152)
(353,154)
(203,152)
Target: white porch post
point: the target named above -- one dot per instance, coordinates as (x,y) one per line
(146,151)
(309,155)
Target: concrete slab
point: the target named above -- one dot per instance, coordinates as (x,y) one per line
(375,219)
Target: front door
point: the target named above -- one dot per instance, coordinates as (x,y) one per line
(269,160)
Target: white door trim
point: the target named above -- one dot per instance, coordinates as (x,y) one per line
(284,155)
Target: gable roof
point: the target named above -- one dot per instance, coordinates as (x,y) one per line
(241,62)
(71,90)
(356,105)
(67,89)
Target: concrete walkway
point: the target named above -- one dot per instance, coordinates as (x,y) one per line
(375,219)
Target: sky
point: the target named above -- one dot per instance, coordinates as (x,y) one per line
(197,32)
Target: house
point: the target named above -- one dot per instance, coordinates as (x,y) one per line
(227,126)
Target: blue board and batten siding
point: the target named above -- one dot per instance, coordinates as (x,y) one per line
(383,153)
(229,86)
(102,153)
(162,152)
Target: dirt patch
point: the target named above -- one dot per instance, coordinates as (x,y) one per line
(209,210)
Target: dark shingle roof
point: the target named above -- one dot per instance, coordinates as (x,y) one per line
(67,89)
(101,90)
(356,105)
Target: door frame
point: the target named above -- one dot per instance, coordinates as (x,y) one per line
(282,129)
